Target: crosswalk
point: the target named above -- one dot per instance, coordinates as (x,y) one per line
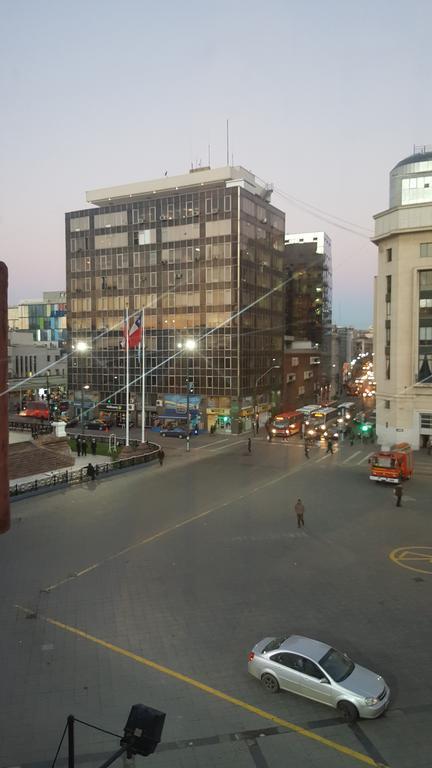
(344,456)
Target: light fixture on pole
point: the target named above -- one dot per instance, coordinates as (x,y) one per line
(82,347)
(189,345)
(259,379)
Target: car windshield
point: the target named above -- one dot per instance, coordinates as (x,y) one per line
(273,645)
(337,665)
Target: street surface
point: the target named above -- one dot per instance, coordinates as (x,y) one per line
(153,585)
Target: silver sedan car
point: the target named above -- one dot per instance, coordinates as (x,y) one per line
(319,672)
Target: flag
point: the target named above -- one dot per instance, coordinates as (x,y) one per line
(135,332)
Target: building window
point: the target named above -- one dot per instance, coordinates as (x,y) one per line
(389,254)
(122,260)
(426,421)
(426,249)
(387,404)
(152,213)
(227,203)
(388,287)
(294,361)
(301,390)
(387,365)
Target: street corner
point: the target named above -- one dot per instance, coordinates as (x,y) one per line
(414,558)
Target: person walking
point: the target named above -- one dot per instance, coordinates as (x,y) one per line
(78,446)
(306,449)
(299,510)
(161,456)
(398,493)
(249,444)
(84,447)
(257,424)
(91,472)
(93,446)
(329,445)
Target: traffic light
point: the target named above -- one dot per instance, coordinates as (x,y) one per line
(190,386)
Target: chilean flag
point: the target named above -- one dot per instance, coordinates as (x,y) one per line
(135,332)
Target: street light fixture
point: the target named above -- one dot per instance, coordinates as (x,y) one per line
(272,367)
(190,345)
(82,347)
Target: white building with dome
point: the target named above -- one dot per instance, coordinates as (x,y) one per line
(403,305)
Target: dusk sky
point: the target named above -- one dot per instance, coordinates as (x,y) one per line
(323,99)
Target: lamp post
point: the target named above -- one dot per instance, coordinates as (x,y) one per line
(259,379)
(190,346)
(82,347)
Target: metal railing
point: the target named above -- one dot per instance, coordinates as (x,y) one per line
(76,476)
(33,427)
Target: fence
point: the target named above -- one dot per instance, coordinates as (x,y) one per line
(33,426)
(76,476)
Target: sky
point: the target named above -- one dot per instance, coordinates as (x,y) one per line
(322,98)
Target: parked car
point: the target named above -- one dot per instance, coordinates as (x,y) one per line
(317,671)
(97,424)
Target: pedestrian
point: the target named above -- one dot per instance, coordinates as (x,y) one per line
(78,446)
(161,456)
(329,445)
(93,446)
(257,424)
(398,493)
(249,444)
(253,427)
(306,449)
(91,472)
(84,446)
(429,446)
(299,510)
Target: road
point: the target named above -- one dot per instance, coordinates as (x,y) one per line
(152,586)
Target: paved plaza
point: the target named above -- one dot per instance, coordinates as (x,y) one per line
(152,586)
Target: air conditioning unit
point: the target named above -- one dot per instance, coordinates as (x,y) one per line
(164,261)
(264,221)
(215,210)
(159,403)
(290,378)
(163,218)
(141,221)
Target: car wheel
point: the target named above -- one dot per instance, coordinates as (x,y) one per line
(348,711)
(162,434)
(180,437)
(270,683)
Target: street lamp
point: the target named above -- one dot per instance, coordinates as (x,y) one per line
(82,347)
(259,379)
(190,345)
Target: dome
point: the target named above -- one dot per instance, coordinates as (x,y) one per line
(419,157)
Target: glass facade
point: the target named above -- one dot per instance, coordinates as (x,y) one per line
(201,266)
(425,327)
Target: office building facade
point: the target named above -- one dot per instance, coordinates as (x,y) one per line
(308,269)
(45,318)
(403,305)
(202,254)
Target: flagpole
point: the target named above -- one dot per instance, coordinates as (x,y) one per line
(143,379)
(127,375)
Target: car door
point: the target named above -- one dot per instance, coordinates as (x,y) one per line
(286,667)
(315,684)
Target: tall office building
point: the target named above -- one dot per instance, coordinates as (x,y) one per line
(202,253)
(308,266)
(403,304)
(45,318)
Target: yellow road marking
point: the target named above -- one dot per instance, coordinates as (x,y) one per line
(359,756)
(402,555)
(165,531)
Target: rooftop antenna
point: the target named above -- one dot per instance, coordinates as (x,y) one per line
(209,155)
(227,140)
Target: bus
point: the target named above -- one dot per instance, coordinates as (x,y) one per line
(285,424)
(323,423)
(346,412)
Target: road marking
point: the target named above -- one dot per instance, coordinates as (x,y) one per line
(404,555)
(236,442)
(356,453)
(359,756)
(326,455)
(365,458)
(225,440)
(165,531)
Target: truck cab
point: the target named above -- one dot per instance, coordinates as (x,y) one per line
(392,466)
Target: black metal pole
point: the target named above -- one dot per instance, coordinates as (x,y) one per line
(71,741)
(114,757)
